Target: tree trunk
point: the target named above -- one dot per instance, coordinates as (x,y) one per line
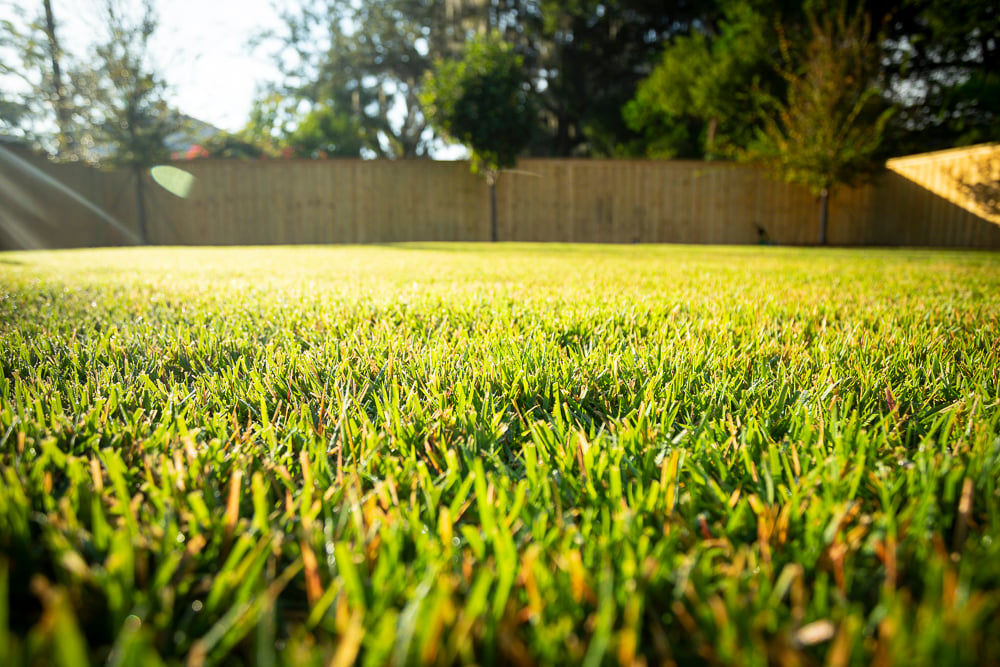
(63,117)
(140,204)
(491,181)
(824,213)
(713,126)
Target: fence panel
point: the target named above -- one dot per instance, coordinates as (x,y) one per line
(939,199)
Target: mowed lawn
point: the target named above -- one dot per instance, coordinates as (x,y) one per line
(500,455)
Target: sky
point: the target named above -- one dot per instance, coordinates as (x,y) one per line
(201,48)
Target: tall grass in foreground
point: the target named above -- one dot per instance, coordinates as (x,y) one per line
(513,455)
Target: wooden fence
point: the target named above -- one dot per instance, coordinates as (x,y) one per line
(966,177)
(46,205)
(929,200)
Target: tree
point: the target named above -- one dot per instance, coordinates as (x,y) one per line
(277,128)
(326,132)
(585,59)
(108,108)
(129,112)
(484,102)
(942,59)
(64,114)
(361,64)
(37,95)
(268,126)
(826,130)
(939,64)
(226,145)
(695,102)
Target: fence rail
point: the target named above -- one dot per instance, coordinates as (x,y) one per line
(939,199)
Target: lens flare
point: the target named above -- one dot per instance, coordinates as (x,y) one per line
(173,180)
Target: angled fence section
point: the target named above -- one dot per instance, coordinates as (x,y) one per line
(955,194)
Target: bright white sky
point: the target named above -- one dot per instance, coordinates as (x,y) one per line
(201,48)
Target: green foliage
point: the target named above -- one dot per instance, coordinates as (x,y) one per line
(698,100)
(14,116)
(970,110)
(324,131)
(936,67)
(827,129)
(232,146)
(129,109)
(108,106)
(941,64)
(584,59)
(457,454)
(587,58)
(664,109)
(271,118)
(359,61)
(482,101)
(32,96)
(278,128)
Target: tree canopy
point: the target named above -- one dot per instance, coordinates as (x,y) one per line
(35,90)
(484,102)
(368,61)
(825,130)
(654,78)
(107,106)
(938,64)
(357,67)
(695,102)
(127,94)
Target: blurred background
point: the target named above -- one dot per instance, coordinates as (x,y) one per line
(124,80)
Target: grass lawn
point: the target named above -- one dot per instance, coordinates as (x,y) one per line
(504,455)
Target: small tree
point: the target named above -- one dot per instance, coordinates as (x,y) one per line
(826,130)
(129,111)
(484,102)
